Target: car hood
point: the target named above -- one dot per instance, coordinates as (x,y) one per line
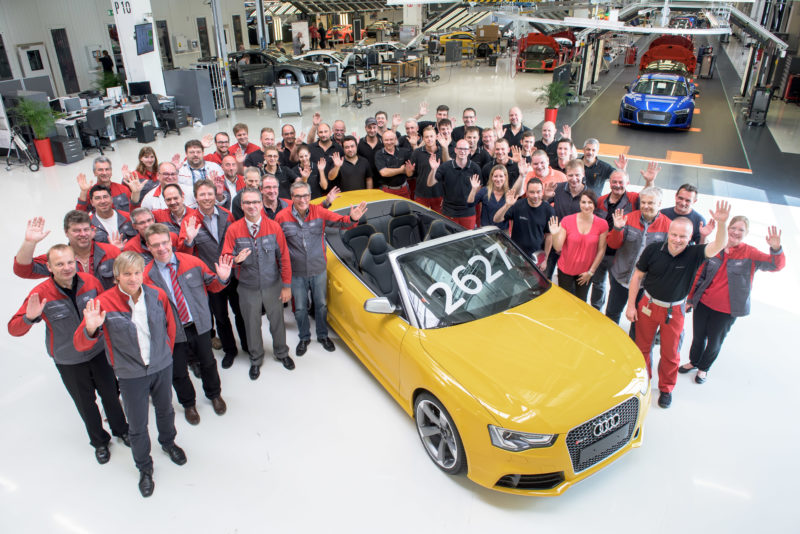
(545,366)
(658,103)
(303,64)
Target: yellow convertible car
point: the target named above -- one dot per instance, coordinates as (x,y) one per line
(509,378)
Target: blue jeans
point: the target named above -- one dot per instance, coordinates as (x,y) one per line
(318,285)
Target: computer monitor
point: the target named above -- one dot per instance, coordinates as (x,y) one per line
(72,105)
(114,93)
(139,88)
(144,38)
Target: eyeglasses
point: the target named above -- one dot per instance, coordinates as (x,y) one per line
(301,196)
(169,174)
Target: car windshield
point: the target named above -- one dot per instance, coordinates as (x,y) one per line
(539,52)
(338,56)
(666,65)
(280,58)
(660,88)
(468,279)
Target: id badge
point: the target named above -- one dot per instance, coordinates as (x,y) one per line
(646,311)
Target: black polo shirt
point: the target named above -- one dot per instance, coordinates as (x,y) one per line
(255,159)
(669,278)
(285,155)
(697,220)
(563,201)
(368,153)
(313,180)
(318,152)
(286,177)
(480,157)
(511,167)
(456,188)
(530,224)
(596,175)
(422,168)
(551,150)
(272,213)
(514,139)
(460,131)
(384,160)
(353,176)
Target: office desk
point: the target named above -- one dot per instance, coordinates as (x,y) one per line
(128,113)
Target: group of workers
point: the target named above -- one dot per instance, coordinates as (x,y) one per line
(155,263)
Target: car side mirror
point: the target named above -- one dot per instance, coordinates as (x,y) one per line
(380,305)
(696,92)
(628,88)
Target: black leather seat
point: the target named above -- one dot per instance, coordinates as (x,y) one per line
(375,265)
(403,228)
(356,239)
(437,229)
(163,116)
(94,128)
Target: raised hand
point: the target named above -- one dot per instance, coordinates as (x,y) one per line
(115,239)
(774,238)
(305,172)
(423,109)
(176,160)
(35,306)
(550,189)
(442,140)
(554,225)
(34,231)
(133,183)
(84,183)
(316,119)
(301,137)
(566,132)
(475,182)
(242,255)
(649,174)
(356,212)
(240,157)
(706,229)
(192,228)
(619,219)
(94,316)
(409,168)
(524,167)
(332,195)
(207,140)
(321,164)
(337,160)
(355,135)
(433,162)
(622,162)
(126,171)
(511,197)
(223,267)
(721,213)
(498,126)
(397,120)
(516,154)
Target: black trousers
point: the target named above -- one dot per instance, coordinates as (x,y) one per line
(219,308)
(567,282)
(710,329)
(136,394)
(198,345)
(617,300)
(81,381)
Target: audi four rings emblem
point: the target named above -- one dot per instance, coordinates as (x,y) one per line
(606,425)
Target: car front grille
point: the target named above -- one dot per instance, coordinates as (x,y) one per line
(653,117)
(542,481)
(600,437)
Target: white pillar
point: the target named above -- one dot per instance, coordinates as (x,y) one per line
(412,15)
(138,68)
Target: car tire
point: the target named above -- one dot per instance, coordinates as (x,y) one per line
(439,435)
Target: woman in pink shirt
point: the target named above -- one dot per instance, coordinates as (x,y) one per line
(581,240)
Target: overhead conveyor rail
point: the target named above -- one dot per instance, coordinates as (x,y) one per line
(457,17)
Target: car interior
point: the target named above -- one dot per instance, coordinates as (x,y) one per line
(387,225)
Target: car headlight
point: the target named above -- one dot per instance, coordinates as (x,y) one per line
(682,112)
(629,107)
(644,386)
(514,441)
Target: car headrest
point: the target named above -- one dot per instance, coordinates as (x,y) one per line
(400,208)
(377,244)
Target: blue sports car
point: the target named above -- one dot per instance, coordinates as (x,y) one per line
(665,100)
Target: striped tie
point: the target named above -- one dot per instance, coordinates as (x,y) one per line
(253,230)
(180,302)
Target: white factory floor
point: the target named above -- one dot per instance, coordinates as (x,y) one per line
(325,449)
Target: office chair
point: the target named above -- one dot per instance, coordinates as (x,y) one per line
(94,127)
(163,116)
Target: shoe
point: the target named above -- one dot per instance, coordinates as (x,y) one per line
(176,454)
(683,369)
(665,399)
(192,417)
(146,484)
(302,347)
(227,361)
(126,440)
(255,372)
(102,454)
(219,405)
(195,366)
(700,379)
(327,344)
(216,343)
(288,363)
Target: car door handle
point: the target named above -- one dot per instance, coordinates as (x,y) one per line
(337,286)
